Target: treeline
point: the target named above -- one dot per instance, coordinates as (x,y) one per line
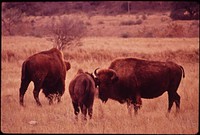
(98,7)
(106,8)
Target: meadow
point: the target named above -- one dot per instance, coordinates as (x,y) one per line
(111,117)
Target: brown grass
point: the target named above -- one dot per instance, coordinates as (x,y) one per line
(111,117)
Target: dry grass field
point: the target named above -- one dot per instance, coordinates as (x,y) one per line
(134,25)
(111,117)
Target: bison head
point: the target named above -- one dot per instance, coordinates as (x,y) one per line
(105,79)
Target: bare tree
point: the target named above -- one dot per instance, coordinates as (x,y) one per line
(66,32)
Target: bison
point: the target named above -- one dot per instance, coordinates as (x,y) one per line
(47,70)
(82,91)
(130,79)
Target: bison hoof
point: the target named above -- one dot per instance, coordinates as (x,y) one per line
(50,102)
(76,112)
(59,100)
(39,104)
(84,118)
(22,104)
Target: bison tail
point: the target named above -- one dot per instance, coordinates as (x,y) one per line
(183,71)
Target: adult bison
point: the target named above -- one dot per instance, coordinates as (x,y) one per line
(130,79)
(47,70)
(82,91)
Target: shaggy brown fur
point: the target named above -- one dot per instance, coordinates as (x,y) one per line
(82,91)
(129,80)
(47,70)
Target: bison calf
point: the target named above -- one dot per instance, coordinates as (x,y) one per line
(82,92)
(47,70)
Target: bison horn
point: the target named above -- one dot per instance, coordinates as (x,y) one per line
(95,71)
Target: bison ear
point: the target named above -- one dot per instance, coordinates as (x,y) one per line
(115,79)
(67,64)
(114,76)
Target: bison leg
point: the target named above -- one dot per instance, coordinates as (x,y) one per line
(22,90)
(36,94)
(170,100)
(136,107)
(137,102)
(61,89)
(58,98)
(50,97)
(90,111)
(177,101)
(84,111)
(172,93)
(173,97)
(129,107)
(76,109)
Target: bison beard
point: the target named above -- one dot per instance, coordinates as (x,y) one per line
(129,80)
(47,70)
(82,91)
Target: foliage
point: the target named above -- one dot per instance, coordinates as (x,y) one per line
(18,20)
(99,7)
(10,19)
(185,11)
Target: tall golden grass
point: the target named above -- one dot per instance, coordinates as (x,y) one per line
(111,117)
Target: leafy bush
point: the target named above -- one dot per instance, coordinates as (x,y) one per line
(185,11)
(10,19)
(179,15)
